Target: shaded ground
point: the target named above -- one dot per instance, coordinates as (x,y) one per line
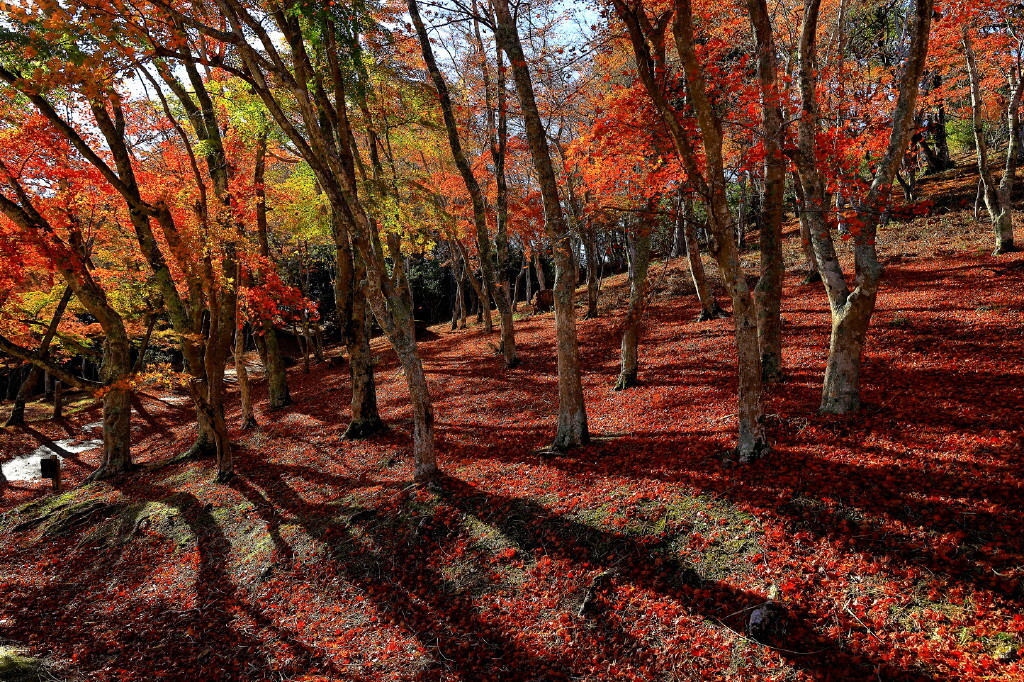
(893,537)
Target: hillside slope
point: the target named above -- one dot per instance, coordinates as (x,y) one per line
(892,538)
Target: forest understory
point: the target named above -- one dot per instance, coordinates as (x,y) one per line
(890,540)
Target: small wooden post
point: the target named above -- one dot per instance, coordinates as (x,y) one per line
(50,467)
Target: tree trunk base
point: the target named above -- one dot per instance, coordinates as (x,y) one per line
(513,363)
(280,405)
(105,473)
(811,278)
(841,404)
(426,472)
(567,441)
(199,449)
(17,418)
(1004,248)
(225,477)
(364,428)
(249,424)
(745,454)
(715,313)
(626,381)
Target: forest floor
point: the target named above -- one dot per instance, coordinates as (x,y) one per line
(893,537)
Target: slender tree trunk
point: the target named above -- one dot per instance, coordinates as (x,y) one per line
(524,273)
(538,265)
(805,233)
(629,364)
(17,416)
(572,416)
(751,442)
(278,395)
(140,362)
(493,284)
(58,401)
(590,246)
(709,308)
(242,373)
(741,212)
(768,292)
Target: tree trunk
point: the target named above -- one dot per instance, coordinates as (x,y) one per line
(242,373)
(494,285)
(851,310)
(538,265)
(998,210)
(354,322)
(572,416)
(741,212)
(629,364)
(590,246)
(58,401)
(117,409)
(17,416)
(524,272)
(278,395)
(768,292)
(751,443)
(277,374)
(841,391)
(709,308)
(140,361)
(805,233)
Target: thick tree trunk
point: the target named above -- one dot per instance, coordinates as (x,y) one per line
(117,409)
(278,395)
(354,322)
(629,363)
(841,391)
(572,417)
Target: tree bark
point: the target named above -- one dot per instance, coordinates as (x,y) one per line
(242,373)
(805,233)
(768,291)
(629,352)
(572,416)
(709,308)
(590,247)
(17,416)
(278,395)
(997,197)
(492,283)
(354,322)
(852,310)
